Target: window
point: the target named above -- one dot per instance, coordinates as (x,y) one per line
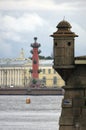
(49,71)
(43,71)
(55,80)
(56,43)
(55,72)
(69,43)
(44,80)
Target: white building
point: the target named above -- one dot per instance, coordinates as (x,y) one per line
(16,73)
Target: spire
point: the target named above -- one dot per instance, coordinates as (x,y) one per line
(22,56)
(64,18)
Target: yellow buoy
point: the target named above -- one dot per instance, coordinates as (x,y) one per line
(28,101)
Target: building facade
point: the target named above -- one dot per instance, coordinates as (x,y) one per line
(16,73)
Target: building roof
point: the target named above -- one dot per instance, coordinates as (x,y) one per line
(80,60)
(64,24)
(17,62)
(64,29)
(45,62)
(26,62)
(12,62)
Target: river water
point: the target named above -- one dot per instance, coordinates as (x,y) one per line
(41,114)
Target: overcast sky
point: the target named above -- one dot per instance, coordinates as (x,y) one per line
(22,20)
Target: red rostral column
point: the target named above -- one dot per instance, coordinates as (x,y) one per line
(35,59)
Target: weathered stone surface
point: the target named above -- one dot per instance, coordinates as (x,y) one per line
(67,128)
(73,116)
(66,121)
(67,112)
(72,93)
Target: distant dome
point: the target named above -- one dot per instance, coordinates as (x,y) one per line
(64,24)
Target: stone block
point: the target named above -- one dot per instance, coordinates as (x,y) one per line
(85,92)
(67,128)
(74,93)
(78,102)
(66,121)
(83,121)
(77,111)
(84,112)
(83,128)
(66,112)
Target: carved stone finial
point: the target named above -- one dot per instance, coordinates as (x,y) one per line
(35,39)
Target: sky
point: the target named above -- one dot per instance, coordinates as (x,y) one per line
(22,20)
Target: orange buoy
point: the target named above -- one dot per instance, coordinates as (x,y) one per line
(28,101)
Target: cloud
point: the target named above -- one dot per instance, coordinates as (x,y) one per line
(71,3)
(26,22)
(36,5)
(21,20)
(5,49)
(15,32)
(80,41)
(13,27)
